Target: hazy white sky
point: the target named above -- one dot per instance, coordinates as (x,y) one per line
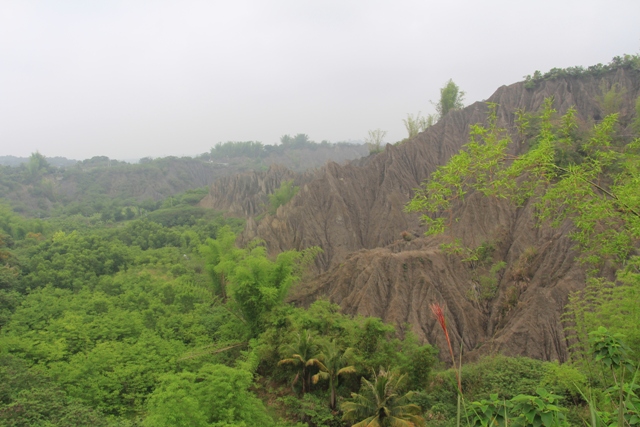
(135,78)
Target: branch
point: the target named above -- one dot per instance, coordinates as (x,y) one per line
(216,351)
(224,305)
(604,190)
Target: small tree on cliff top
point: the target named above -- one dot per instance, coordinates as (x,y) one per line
(375,140)
(451,98)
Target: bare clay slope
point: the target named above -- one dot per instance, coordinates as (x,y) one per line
(360,205)
(355,213)
(247,194)
(400,281)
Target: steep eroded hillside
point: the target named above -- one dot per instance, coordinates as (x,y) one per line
(376,263)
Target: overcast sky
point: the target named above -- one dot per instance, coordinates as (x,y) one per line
(134,78)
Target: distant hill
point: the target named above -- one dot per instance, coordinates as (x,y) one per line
(36,188)
(54,161)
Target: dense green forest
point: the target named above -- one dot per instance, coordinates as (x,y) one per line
(142,323)
(121,312)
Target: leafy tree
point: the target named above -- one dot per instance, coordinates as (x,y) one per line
(428,121)
(221,255)
(451,98)
(147,235)
(300,140)
(70,260)
(333,362)
(258,285)
(16,227)
(417,361)
(29,397)
(375,343)
(255,284)
(596,191)
(215,396)
(108,341)
(605,215)
(610,100)
(375,140)
(417,124)
(237,149)
(380,404)
(412,124)
(36,166)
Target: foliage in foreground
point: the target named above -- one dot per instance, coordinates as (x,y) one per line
(215,395)
(381,404)
(589,180)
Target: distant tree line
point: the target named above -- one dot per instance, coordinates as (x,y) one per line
(631,62)
(255,149)
(17,161)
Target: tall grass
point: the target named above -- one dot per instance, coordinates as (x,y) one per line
(436,309)
(612,402)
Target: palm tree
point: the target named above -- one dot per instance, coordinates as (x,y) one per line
(302,353)
(379,405)
(332,363)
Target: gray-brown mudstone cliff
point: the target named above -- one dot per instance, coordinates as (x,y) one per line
(376,261)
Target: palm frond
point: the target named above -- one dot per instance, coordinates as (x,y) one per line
(347,370)
(380,403)
(318,376)
(294,360)
(316,362)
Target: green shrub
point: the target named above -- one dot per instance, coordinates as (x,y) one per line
(564,379)
(505,376)
(311,409)
(282,196)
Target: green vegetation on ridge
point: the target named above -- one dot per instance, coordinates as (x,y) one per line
(590,180)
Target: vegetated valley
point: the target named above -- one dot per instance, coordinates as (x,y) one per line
(482,272)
